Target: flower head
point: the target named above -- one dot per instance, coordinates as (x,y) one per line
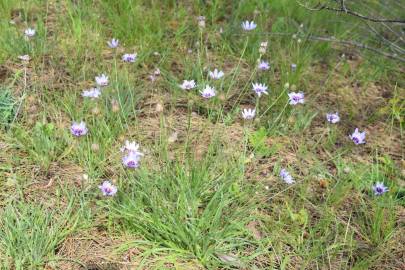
(129,57)
(208,92)
(248,114)
(260,88)
(248,26)
(108,189)
(296,98)
(379,188)
(78,129)
(333,117)
(113,43)
(102,80)
(358,137)
(216,74)
(188,85)
(91,93)
(131,147)
(131,160)
(24,58)
(263,65)
(293,67)
(29,32)
(286,176)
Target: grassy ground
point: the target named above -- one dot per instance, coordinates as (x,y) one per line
(207,193)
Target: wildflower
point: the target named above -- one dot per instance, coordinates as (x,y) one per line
(260,88)
(188,85)
(286,176)
(208,92)
(129,57)
(156,72)
(131,160)
(113,43)
(216,74)
(201,21)
(248,26)
(78,129)
(131,147)
(379,188)
(293,67)
(108,189)
(332,117)
(358,137)
(296,98)
(263,65)
(24,58)
(248,114)
(102,80)
(29,32)
(263,47)
(92,93)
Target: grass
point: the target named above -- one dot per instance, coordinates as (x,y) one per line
(207,193)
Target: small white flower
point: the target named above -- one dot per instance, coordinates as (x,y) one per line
(131,147)
(216,74)
(260,88)
(91,93)
(332,117)
(102,80)
(208,92)
(29,32)
(293,67)
(248,26)
(248,114)
(129,57)
(113,43)
(263,65)
(188,85)
(24,58)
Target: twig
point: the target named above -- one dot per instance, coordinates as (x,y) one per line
(344,9)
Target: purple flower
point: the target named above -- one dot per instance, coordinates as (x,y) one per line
(188,85)
(78,129)
(332,117)
(131,160)
(129,57)
(260,88)
(248,26)
(296,98)
(208,92)
(286,176)
(248,114)
(91,93)
(379,188)
(263,65)
(102,80)
(216,74)
(108,189)
(358,137)
(29,32)
(113,43)
(293,67)
(131,147)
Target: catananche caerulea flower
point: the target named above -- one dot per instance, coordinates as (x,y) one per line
(107,188)
(29,32)
(248,114)
(102,80)
(263,65)
(91,93)
(379,188)
(216,74)
(248,26)
(260,88)
(296,98)
(131,160)
(286,176)
(332,117)
(358,137)
(78,129)
(131,147)
(113,43)
(208,92)
(129,57)
(188,85)
(293,67)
